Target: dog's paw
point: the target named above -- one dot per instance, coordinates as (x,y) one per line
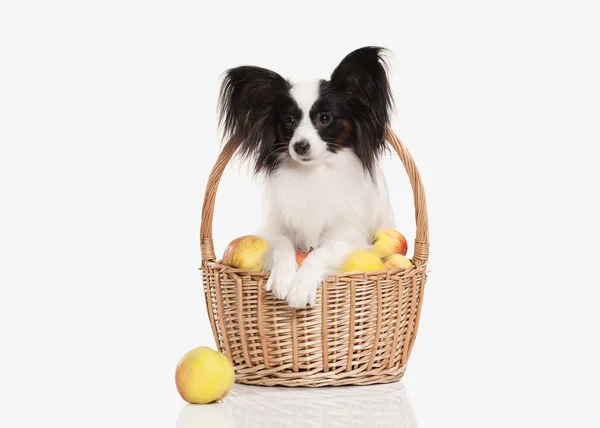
(281,277)
(304,287)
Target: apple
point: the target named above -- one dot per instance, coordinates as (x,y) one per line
(301,255)
(388,242)
(203,376)
(397,261)
(246,252)
(362,261)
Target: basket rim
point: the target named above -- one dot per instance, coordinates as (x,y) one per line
(331,278)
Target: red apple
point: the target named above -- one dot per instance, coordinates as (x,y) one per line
(388,242)
(301,255)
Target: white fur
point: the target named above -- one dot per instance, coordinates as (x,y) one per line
(305,94)
(333,206)
(328,202)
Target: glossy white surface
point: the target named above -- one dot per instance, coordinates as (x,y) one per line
(373,406)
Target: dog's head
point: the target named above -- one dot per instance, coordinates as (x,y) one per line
(306,123)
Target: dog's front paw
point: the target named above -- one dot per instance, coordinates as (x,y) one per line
(304,287)
(281,277)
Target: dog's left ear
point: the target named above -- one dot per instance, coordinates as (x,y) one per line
(362,76)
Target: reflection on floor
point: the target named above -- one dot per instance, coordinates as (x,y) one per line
(269,407)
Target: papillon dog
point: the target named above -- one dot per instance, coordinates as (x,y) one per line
(318,144)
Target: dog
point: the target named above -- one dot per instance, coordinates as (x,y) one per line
(318,145)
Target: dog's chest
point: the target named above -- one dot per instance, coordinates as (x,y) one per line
(311,204)
(312,199)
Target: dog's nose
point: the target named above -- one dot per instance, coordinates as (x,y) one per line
(302,147)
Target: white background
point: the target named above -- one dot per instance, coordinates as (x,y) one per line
(108,133)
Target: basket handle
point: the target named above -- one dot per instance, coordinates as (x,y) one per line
(421,252)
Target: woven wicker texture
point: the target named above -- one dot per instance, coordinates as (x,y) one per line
(361,330)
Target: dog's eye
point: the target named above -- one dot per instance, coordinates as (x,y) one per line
(324,118)
(289,120)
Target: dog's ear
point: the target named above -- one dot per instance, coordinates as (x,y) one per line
(246,102)
(246,111)
(362,76)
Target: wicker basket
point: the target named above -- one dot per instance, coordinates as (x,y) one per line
(361,330)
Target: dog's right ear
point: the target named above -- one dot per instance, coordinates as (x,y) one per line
(246,104)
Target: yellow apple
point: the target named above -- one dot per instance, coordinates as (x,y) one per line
(388,242)
(246,252)
(203,376)
(397,261)
(362,261)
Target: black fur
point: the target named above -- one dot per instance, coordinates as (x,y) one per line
(256,106)
(251,100)
(362,79)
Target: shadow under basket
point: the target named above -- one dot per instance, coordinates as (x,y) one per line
(361,330)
